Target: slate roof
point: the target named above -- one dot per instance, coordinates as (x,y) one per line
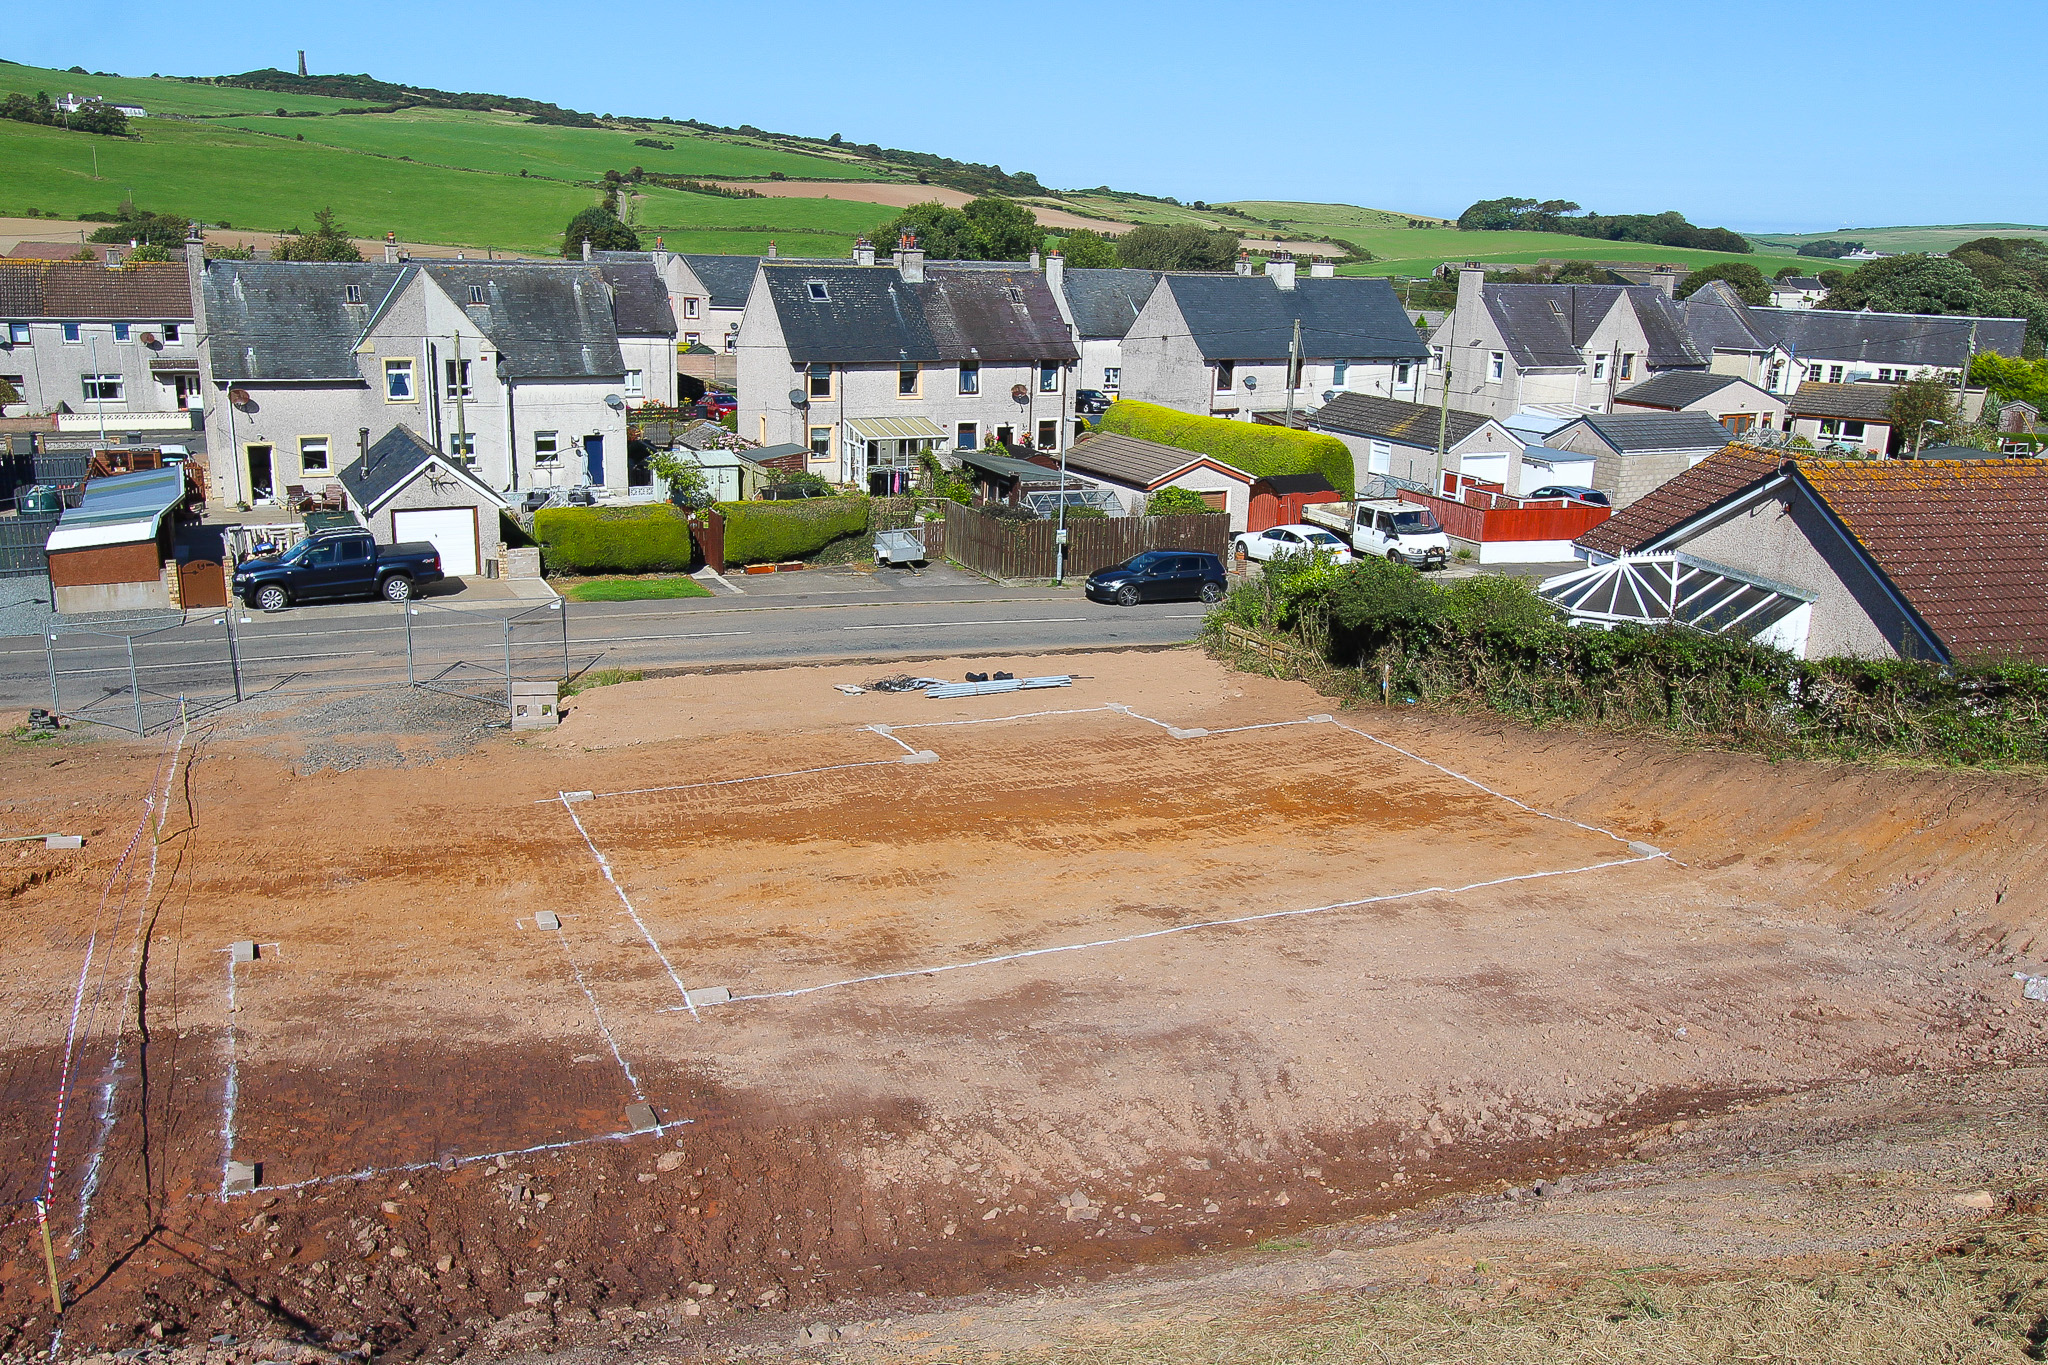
(1631,433)
(1126,459)
(1104,303)
(1390,419)
(640,305)
(1718,319)
(1964,541)
(1860,402)
(1674,389)
(284,321)
(1797,282)
(389,464)
(1544,325)
(871,316)
(85,291)
(729,278)
(1249,317)
(1670,505)
(1008,467)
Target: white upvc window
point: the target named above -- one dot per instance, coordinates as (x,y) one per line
(1628,364)
(462,445)
(689,308)
(18,334)
(547,447)
(1049,378)
(458,378)
(1112,378)
(1599,366)
(970,378)
(1497,367)
(102,388)
(636,384)
(398,382)
(1834,374)
(171,332)
(313,455)
(1436,360)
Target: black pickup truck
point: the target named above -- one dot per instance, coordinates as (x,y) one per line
(340,563)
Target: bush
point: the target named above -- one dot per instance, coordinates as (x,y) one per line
(1178,502)
(649,539)
(1258,450)
(771,532)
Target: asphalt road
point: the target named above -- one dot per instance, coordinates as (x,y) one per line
(819,618)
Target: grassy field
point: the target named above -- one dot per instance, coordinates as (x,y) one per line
(508,144)
(1327,220)
(1896,239)
(635,589)
(658,207)
(159,96)
(1418,251)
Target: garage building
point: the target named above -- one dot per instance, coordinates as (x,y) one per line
(403,489)
(108,553)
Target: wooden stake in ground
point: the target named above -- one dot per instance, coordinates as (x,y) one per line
(49,1256)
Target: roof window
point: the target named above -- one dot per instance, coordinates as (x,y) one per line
(355,293)
(476,293)
(818,291)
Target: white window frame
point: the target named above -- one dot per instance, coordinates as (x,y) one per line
(1051,377)
(1834,374)
(813,372)
(1497,367)
(20,334)
(547,448)
(689,309)
(1226,376)
(1112,378)
(309,445)
(970,379)
(352,293)
(1340,373)
(74,334)
(636,383)
(1599,366)
(459,379)
(120,331)
(1628,365)
(393,367)
(693,338)
(173,333)
(817,291)
(1436,360)
(88,382)
(462,445)
(916,373)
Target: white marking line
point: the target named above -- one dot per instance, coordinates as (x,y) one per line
(231,1093)
(1190,928)
(604,865)
(221,663)
(372,1172)
(734,781)
(997,720)
(598,1013)
(884,732)
(634,639)
(935,625)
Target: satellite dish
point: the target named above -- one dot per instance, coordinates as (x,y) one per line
(1251,381)
(239,397)
(1329,395)
(614,402)
(797,399)
(1019,393)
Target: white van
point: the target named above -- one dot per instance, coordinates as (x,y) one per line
(1404,532)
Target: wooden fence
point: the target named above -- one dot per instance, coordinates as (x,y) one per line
(1026,549)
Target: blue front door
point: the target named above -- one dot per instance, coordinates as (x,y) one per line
(593,457)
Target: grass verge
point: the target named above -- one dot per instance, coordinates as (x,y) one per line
(600,677)
(635,589)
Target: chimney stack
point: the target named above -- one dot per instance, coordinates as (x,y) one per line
(586,248)
(1280,269)
(771,248)
(1322,268)
(1056,274)
(863,252)
(909,260)
(1244,262)
(1035,261)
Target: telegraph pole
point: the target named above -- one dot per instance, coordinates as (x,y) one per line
(1293,370)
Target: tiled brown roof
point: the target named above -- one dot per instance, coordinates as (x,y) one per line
(1964,541)
(1727,471)
(141,292)
(60,251)
(1858,402)
(21,289)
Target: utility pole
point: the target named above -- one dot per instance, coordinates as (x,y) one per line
(93,344)
(458,390)
(1443,417)
(1293,370)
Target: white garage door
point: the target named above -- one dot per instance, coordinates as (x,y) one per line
(451,529)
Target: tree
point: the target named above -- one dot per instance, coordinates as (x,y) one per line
(1786,272)
(328,241)
(1177,502)
(1180,247)
(8,393)
(1829,248)
(150,229)
(229,253)
(1004,229)
(688,486)
(1745,279)
(1087,249)
(2010,379)
(1582,272)
(602,229)
(1917,405)
(149,254)
(1910,284)
(946,234)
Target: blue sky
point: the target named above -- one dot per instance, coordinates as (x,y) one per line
(1805,115)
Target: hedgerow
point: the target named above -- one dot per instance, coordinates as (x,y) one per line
(1260,450)
(770,532)
(646,539)
(1491,642)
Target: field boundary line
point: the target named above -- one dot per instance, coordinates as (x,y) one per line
(1191,928)
(597,1011)
(372,1172)
(604,865)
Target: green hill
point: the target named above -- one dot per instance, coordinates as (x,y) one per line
(1901,239)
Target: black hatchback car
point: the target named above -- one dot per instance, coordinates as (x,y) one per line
(1159,576)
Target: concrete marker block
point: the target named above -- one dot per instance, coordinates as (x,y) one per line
(921,756)
(573,797)
(53,841)
(1323,720)
(640,1118)
(1179,733)
(547,919)
(242,1177)
(709,995)
(1643,850)
(244,951)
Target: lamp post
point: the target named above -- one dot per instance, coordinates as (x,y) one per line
(1921,439)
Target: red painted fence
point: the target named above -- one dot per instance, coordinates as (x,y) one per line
(1473,509)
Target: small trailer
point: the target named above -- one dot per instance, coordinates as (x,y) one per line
(900,547)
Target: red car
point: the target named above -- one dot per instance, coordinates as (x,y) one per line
(719,404)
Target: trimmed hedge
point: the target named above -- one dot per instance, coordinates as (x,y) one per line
(771,532)
(1258,450)
(653,538)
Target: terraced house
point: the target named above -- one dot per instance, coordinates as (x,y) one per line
(872,366)
(93,343)
(516,370)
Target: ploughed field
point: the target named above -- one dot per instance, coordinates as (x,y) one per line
(741,982)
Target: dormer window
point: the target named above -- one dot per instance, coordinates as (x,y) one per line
(476,293)
(355,293)
(818,292)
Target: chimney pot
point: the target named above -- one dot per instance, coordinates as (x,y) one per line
(1056,272)
(863,252)
(1244,262)
(1280,269)
(1322,268)
(586,248)
(909,260)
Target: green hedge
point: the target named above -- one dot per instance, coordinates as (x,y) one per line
(771,532)
(1254,448)
(647,539)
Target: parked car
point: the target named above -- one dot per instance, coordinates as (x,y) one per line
(1091,402)
(1571,490)
(718,404)
(337,564)
(1159,576)
(1388,528)
(1289,540)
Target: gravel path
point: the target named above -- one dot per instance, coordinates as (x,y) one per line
(25,610)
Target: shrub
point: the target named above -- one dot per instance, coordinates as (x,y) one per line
(1259,450)
(1178,502)
(770,532)
(648,539)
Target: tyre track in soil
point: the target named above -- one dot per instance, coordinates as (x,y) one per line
(853,1145)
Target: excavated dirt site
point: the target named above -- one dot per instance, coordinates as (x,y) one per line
(737,1000)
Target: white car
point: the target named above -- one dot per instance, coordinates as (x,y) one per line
(1290,540)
